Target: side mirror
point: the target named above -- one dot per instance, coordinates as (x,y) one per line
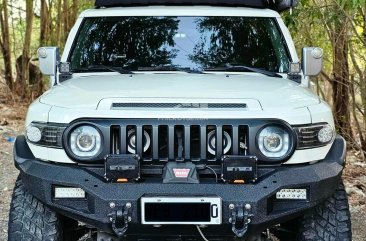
(48,60)
(312,61)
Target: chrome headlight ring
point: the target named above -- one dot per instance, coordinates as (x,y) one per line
(275,142)
(84,142)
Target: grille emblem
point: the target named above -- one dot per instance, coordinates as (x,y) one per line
(181,173)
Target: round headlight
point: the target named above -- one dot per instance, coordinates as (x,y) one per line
(34,134)
(326,134)
(274,142)
(85,141)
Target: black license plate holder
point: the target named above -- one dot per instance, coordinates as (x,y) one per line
(181,210)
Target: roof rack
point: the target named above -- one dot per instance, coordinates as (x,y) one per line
(277,5)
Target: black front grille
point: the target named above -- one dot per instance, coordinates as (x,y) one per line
(179,142)
(181,105)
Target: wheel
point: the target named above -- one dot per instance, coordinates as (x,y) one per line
(29,219)
(330,220)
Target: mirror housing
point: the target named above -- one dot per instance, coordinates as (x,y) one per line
(48,60)
(312,61)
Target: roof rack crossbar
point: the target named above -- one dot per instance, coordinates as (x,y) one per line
(277,5)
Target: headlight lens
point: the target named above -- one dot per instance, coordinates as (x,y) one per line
(85,141)
(274,142)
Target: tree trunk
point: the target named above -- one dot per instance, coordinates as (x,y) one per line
(74,15)
(341,79)
(363,81)
(22,62)
(5,44)
(57,41)
(66,19)
(45,24)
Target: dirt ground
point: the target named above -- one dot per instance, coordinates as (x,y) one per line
(11,125)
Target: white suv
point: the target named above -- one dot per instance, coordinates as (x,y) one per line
(180,120)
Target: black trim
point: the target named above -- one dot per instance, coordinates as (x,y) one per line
(320,179)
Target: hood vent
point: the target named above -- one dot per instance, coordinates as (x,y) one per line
(180,105)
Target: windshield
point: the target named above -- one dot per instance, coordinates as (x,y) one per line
(144,43)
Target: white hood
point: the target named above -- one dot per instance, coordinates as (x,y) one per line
(257,91)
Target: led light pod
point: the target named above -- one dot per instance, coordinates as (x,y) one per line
(69,192)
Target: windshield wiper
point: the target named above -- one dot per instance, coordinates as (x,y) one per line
(171,68)
(103,68)
(245,68)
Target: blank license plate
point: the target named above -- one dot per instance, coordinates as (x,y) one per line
(181,210)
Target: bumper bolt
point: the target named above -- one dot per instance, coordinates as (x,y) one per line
(248,206)
(128,205)
(112,205)
(231,206)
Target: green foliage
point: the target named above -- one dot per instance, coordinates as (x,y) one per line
(351,4)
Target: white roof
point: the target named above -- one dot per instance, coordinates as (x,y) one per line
(180,11)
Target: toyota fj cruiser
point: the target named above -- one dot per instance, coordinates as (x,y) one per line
(180,120)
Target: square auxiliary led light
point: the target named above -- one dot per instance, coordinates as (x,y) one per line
(294,194)
(294,68)
(64,67)
(69,192)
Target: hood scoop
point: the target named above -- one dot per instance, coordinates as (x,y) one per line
(119,105)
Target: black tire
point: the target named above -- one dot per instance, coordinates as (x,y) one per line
(330,220)
(29,219)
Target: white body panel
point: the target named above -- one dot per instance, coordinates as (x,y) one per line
(87,92)
(91,95)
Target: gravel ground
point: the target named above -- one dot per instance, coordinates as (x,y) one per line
(354,175)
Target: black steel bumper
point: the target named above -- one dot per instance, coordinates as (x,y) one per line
(320,179)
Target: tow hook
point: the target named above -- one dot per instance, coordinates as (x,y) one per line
(120,219)
(240,218)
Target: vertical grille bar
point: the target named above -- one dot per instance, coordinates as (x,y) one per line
(123,141)
(187,142)
(171,142)
(235,140)
(218,142)
(139,141)
(155,142)
(203,140)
